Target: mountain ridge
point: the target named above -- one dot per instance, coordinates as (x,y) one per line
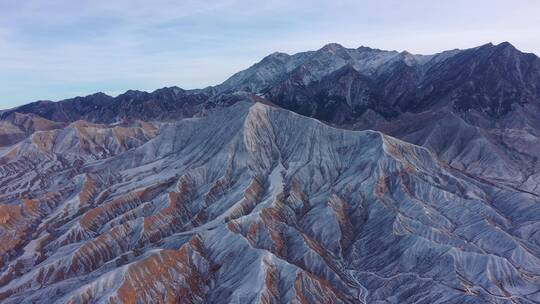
(281,54)
(329,176)
(484,90)
(232,209)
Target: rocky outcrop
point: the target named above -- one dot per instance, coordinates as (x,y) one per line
(477,109)
(406,179)
(252,203)
(16,126)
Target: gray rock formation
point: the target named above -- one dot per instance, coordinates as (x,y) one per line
(252,203)
(330,176)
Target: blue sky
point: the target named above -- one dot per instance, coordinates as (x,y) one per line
(57,49)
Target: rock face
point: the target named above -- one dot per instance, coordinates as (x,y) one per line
(330,176)
(252,203)
(477,109)
(340,84)
(16,127)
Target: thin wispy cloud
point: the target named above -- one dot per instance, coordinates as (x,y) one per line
(59,49)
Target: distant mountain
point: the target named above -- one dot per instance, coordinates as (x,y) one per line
(330,176)
(345,83)
(162,104)
(490,79)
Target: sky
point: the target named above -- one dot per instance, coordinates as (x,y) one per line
(56,49)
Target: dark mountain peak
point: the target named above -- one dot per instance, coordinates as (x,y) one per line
(99,94)
(166,92)
(487,45)
(94,96)
(332,51)
(40,103)
(132,94)
(406,53)
(408,58)
(279,55)
(505,44)
(370,50)
(174,90)
(332,47)
(366,49)
(275,57)
(503,55)
(505,48)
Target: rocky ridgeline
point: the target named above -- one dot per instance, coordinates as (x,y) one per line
(228,194)
(253,203)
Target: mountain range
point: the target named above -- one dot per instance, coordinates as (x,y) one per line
(332,176)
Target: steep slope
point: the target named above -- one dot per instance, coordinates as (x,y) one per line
(489,79)
(267,72)
(16,126)
(477,109)
(252,203)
